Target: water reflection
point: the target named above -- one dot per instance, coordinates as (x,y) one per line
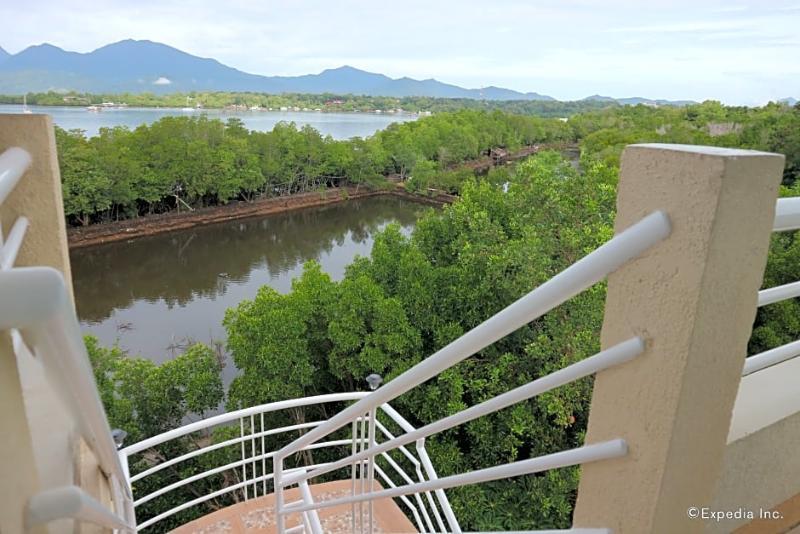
(154,293)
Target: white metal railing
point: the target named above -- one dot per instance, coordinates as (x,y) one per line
(583,274)
(787,218)
(420,490)
(45,332)
(426,511)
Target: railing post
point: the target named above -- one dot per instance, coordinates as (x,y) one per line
(36,196)
(693,298)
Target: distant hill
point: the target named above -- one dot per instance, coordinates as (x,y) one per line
(634,100)
(138,66)
(790,101)
(3,54)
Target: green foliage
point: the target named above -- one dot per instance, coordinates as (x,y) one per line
(124,173)
(773,128)
(146,399)
(509,232)
(416,294)
(325,102)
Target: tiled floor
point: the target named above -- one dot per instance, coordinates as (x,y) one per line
(258,515)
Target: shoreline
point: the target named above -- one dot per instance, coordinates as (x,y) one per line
(98,234)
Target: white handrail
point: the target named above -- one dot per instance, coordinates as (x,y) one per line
(403,498)
(215,446)
(237,414)
(9,249)
(399,470)
(787,214)
(584,273)
(605,450)
(209,496)
(771,357)
(71,502)
(405,476)
(44,314)
(425,462)
(13,164)
(440,495)
(227,467)
(778,293)
(622,352)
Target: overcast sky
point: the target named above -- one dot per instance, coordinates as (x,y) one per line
(744,52)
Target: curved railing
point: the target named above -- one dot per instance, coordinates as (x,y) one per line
(251,468)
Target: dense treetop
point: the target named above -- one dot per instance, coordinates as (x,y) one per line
(328,102)
(510,230)
(197,161)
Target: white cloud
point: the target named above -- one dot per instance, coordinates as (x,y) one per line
(676,49)
(162,81)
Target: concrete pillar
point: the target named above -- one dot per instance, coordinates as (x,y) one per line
(38,194)
(693,297)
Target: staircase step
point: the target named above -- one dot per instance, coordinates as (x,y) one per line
(258,514)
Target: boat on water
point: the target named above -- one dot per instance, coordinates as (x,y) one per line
(94,109)
(25,105)
(188,108)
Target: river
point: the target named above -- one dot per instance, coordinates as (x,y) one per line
(154,294)
(337,125)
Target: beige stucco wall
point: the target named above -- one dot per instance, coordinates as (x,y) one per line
(38,194)
(761,466)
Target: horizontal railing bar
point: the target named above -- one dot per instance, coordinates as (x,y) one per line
(615,355)
(778,293)
(245,412)
(71,502)
(787,214)
(220,445)
(296,528)
(234,465)
(212,495)
(605,450)
(13,164)
(581,275)
(44,314)
(10,249)
(771,357)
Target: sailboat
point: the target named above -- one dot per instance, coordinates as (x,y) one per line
(25,104)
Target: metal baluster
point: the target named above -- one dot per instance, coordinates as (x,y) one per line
(244,456)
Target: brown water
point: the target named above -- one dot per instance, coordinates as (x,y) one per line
(155,294)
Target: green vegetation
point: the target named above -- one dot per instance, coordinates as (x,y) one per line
(509,231)
(197,161)
(323,102)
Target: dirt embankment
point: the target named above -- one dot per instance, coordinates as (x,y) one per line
(156,224)
(96,234)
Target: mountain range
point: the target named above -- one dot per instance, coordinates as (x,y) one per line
(139,66)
